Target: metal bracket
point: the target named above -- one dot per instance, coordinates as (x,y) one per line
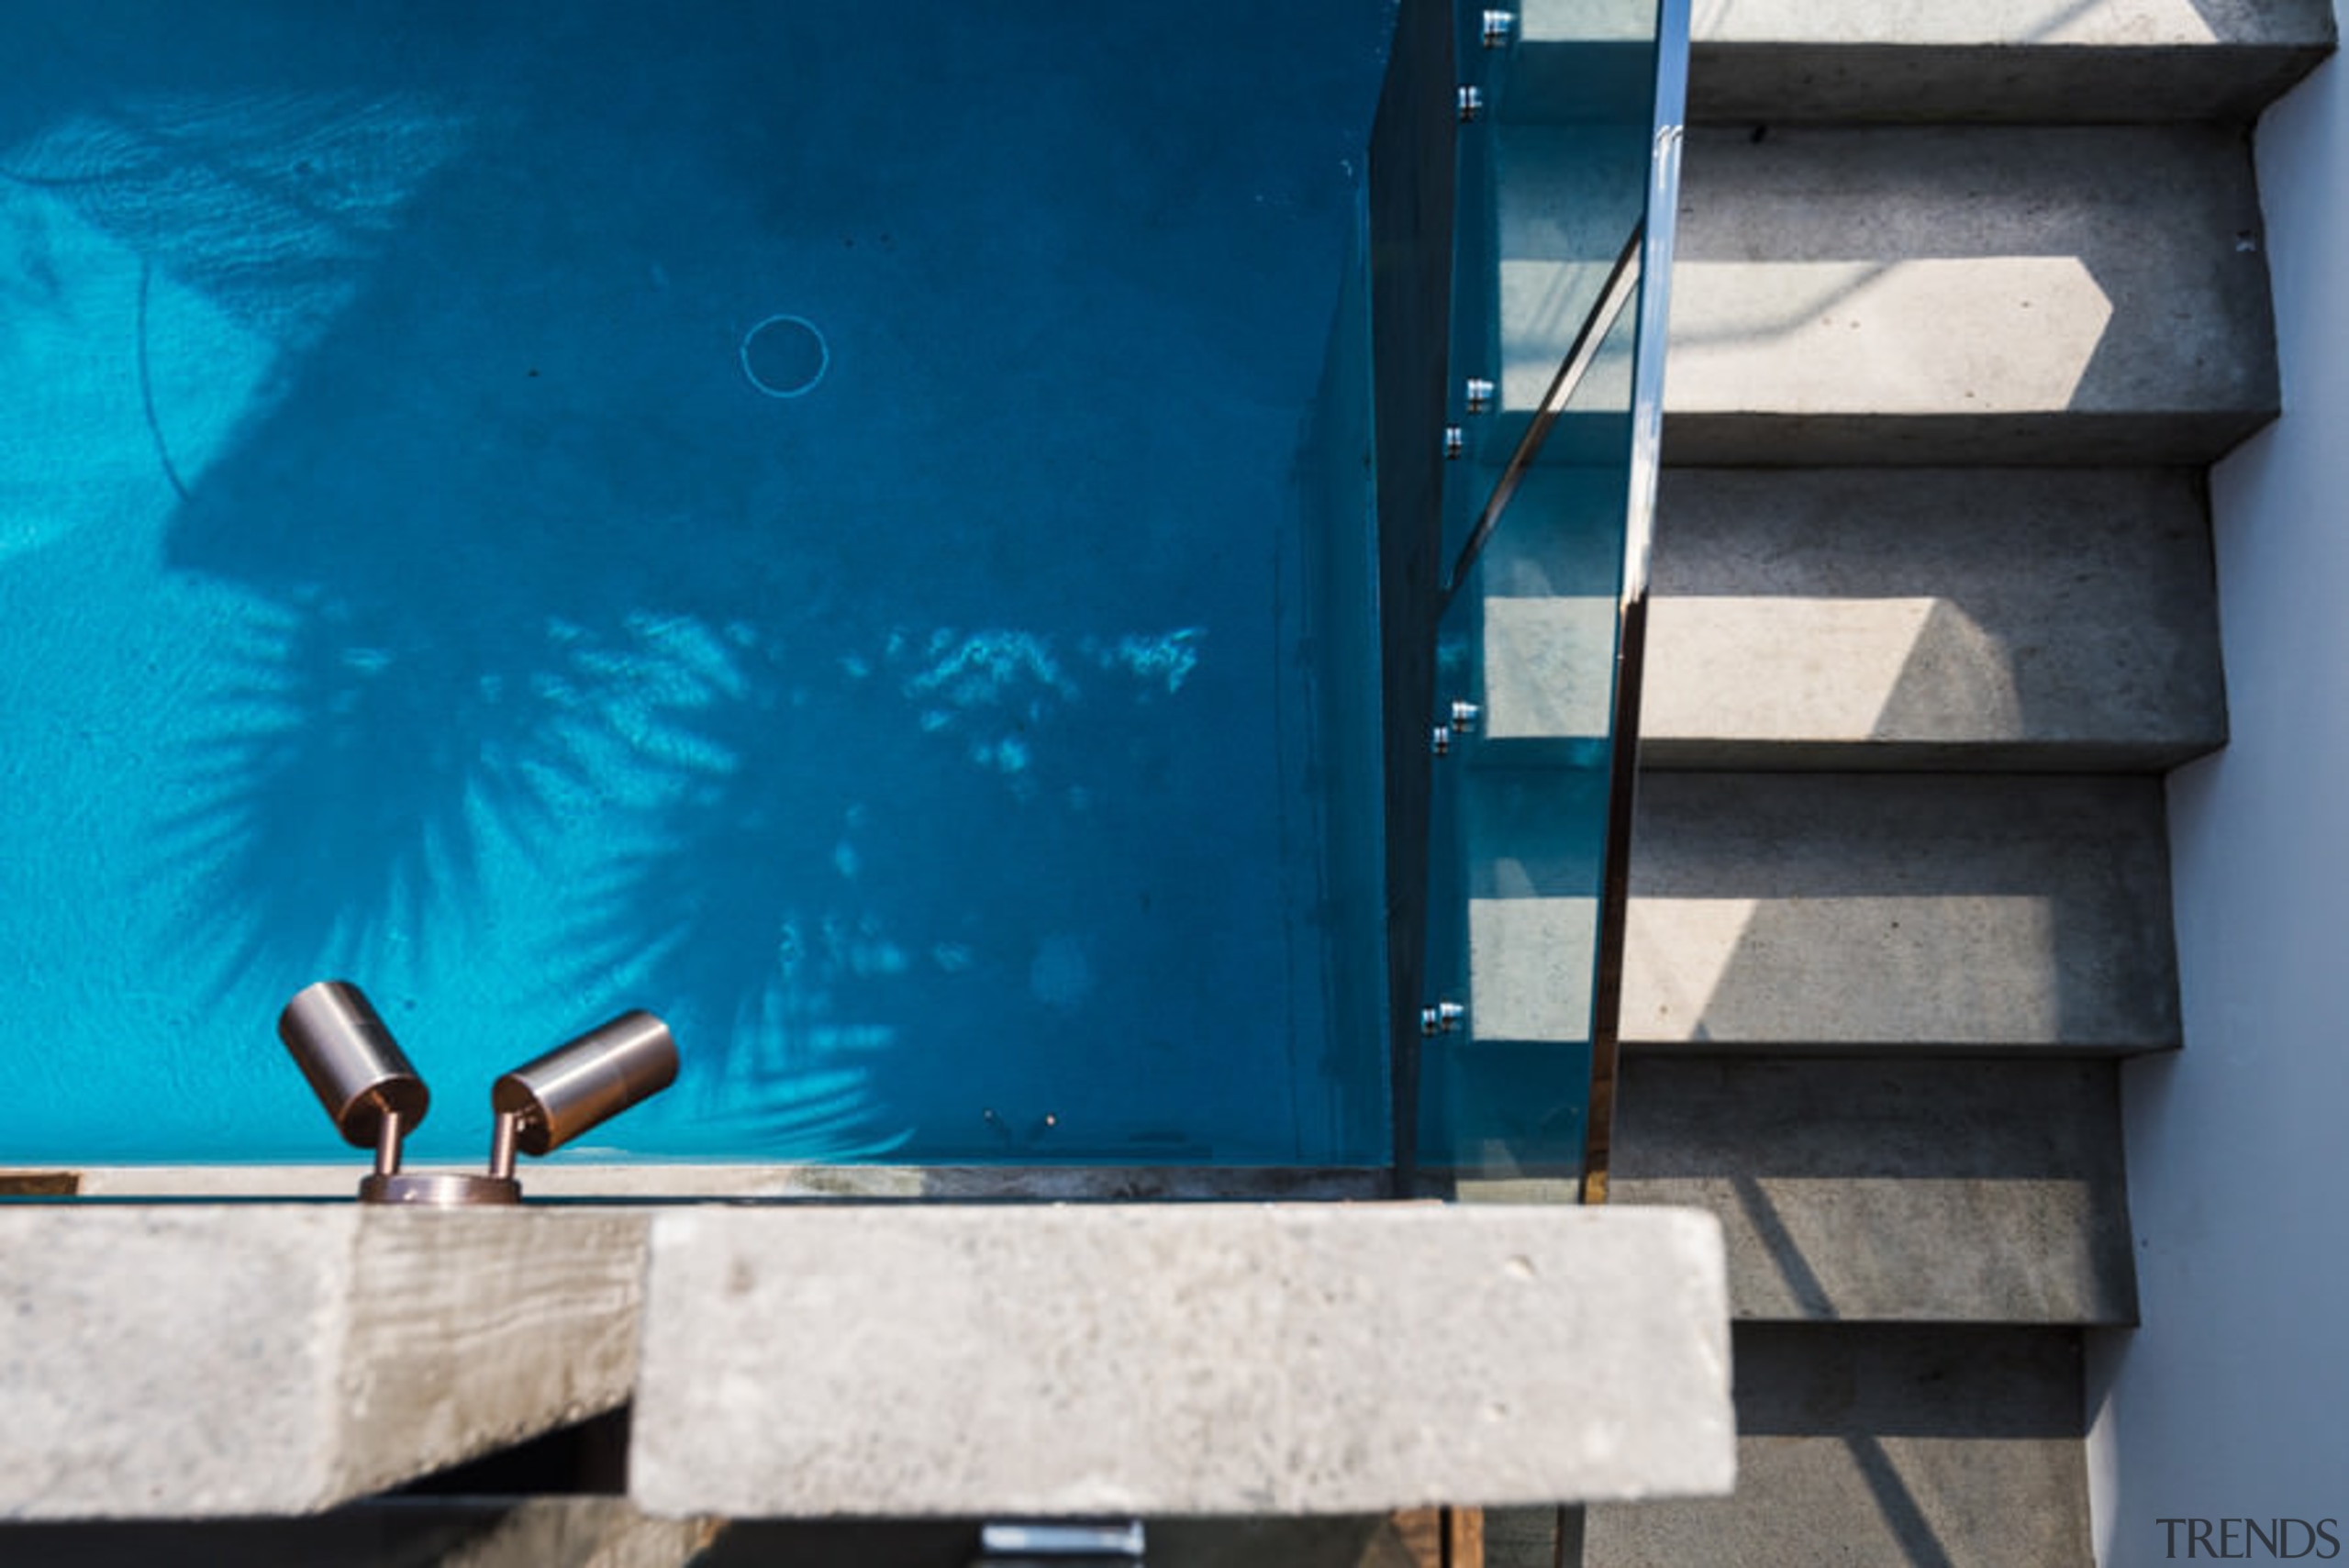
(1060,1543)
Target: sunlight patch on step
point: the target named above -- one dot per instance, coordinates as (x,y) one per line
(1943,968)
(1935,22)
(1825,670)
(1975,335)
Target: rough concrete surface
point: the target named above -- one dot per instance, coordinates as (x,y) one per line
(2045,60)
(1996,912)
(1887,1189)
(1930,24)
(2000,60)
(405,1532)
(1762,81)
(1231,1360)
(1911,295)
(1913,271)
(2073,294)
(1919,616)
(279,1359)
(1946,1446)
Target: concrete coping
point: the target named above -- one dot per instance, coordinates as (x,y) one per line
(655,1181)
(1184,1359)
(828,1360)
(202,1361)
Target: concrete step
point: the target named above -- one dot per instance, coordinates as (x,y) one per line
(2074,296)
(2017,619)
(2005,618)
(2043,61)
(1891,1190)
(1955,1446)
(2040,61)
(1858,912)
(1908,296)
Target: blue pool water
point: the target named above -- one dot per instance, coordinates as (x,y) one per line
(846,528)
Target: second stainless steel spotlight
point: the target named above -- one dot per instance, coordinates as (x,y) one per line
(545,1103)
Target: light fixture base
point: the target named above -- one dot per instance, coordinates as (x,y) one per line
(442,1189)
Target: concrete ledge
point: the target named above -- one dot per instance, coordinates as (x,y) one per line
(277,1359)
(1215,1359)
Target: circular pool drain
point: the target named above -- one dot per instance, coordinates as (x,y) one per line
(786,356)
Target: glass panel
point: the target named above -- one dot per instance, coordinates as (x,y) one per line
(1553,180)
(854,536)
(1411,227)
(1530,786)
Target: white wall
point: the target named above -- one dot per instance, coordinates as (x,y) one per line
(2233,1398)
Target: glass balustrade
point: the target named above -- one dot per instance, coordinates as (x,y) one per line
(1569,180)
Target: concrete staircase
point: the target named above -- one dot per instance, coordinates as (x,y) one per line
(1968,298)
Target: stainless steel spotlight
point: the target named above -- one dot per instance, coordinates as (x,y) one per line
(374,1097)
(355,1068)
(547,1102)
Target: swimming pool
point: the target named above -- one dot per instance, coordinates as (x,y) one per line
(849,529)
(873,535)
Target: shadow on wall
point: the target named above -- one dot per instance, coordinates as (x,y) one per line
(853,728)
